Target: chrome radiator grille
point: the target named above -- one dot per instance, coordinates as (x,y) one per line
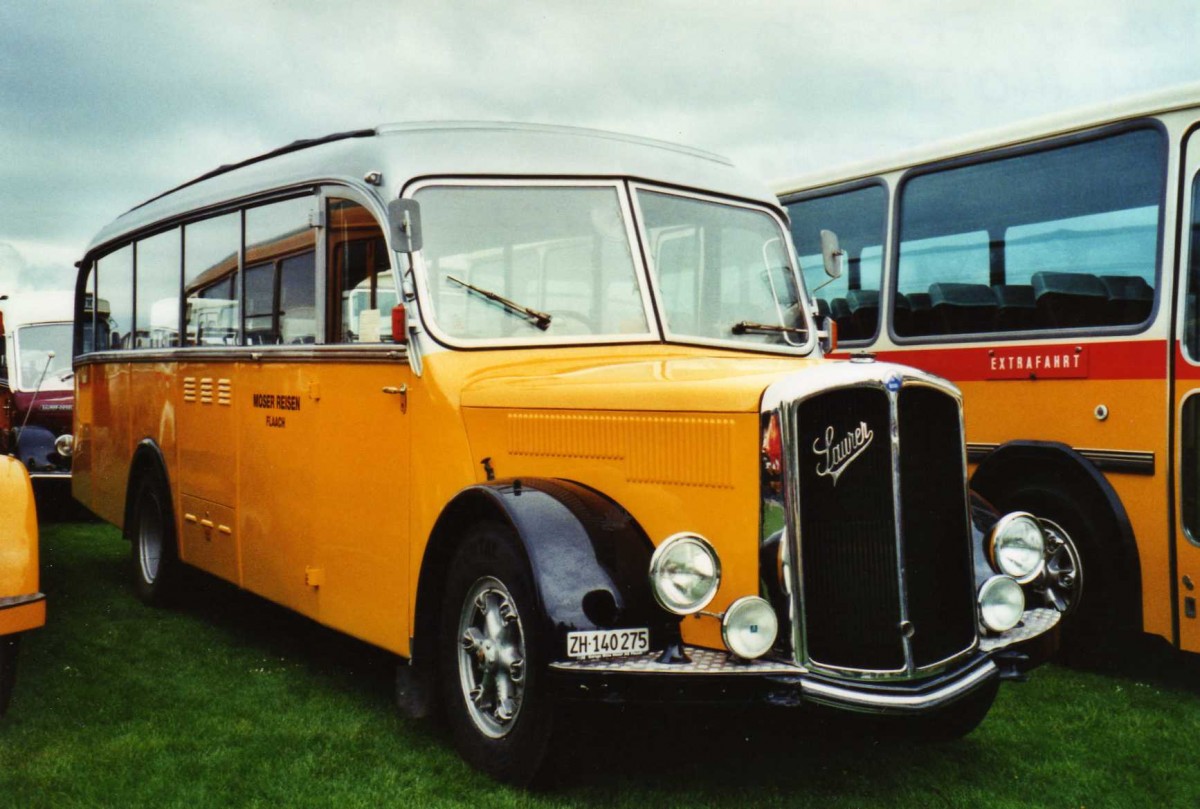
(878,519)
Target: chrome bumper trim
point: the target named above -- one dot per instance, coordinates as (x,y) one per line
(1034,622)
(882,702)
(703,661)
(7,602)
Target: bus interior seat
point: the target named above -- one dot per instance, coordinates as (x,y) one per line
(1069,299)
(961,308)
(1016,307)
(1130,298)
(839,310)
(822,307)
(864,314)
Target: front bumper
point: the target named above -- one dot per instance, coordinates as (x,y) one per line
(716,676)
(22,613)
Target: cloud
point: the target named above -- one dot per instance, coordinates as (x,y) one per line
(105,105)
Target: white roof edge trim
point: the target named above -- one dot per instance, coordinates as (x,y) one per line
(1160,102)
(549,129)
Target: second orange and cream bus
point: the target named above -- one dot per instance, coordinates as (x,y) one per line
(1052,270)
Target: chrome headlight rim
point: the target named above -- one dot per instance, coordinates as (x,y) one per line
(734,612)
(995,553)
(658,562)
(989,587)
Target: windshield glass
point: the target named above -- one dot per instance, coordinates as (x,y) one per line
(34,344)
(530,263)
(722,272)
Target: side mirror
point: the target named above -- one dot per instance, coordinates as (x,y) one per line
(404,225)
(399,325)
(832,253)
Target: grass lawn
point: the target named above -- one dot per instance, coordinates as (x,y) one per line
(230,701)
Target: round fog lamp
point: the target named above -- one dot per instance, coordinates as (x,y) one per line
(1017,547)
(684,573)
(1001,603)
(749,627)
(64,445)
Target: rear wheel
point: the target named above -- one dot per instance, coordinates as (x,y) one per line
(155,555)
(492,658)
(9,644)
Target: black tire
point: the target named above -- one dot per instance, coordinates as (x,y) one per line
(9,644)
(946,724)
(156,566)
(1104,605)
(489,645)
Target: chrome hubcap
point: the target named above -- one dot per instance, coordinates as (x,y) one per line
(491,660)
(1064,576)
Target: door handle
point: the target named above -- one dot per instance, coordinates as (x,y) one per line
(402,392)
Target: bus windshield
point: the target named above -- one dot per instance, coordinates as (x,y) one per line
(722,271)
(493,252)
(34,346)
(544,263)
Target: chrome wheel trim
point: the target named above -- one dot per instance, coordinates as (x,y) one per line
(1063,572)
(491,658)
(150,539)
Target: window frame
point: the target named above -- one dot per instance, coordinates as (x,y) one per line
(889,196)
(422,275)
(1006,152)
(803,349)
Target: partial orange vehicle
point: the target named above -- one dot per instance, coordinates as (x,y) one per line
(542,411)
(22,606)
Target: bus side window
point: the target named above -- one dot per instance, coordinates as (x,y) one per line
(281,282)
(114,279)
(1191,318)
(859,219)
(159,264)
(210,263)
(1059,238)
(360,276)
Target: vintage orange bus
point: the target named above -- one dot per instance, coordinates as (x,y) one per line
(1052,271)
(22,605)
(543,412)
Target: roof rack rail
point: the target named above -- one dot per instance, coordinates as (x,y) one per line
(294,146)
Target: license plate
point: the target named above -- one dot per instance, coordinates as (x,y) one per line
(608,643)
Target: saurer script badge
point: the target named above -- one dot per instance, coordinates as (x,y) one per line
(835,455)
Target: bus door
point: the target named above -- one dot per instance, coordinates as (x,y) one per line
(361,451)
(1187,406)
(208,391)
(324,456)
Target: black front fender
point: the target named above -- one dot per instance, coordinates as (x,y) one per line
(589,558)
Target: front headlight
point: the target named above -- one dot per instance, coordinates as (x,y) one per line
(1001,603)
(1017,547)
(749,627)
(684,573)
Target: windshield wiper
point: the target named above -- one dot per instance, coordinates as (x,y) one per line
(536,318)
(750,327)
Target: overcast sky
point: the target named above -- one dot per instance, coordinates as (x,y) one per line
(104,104)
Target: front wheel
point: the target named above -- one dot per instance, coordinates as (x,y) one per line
(492,659)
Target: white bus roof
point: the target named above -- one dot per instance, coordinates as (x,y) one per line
(404,152)
(1164,101)
(24,308)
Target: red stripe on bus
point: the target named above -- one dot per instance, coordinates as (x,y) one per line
(1133,359)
